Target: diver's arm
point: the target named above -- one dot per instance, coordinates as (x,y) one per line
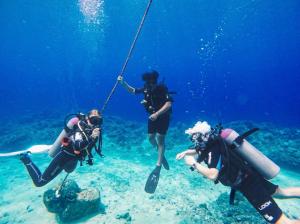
(129,88)
(210,173)
(164,109)
(191,152)
(188,152)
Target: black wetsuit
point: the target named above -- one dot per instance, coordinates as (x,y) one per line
(252,185)
(155,99)
(65,160)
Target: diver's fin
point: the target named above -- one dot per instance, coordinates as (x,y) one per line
(33,150)
(152,181)
(165,163)
(25,158)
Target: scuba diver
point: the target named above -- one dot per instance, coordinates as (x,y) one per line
(158,103)
(234,162)
(80,135)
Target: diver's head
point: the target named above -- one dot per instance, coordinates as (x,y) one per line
(200,133)
(150,78)
(94,118)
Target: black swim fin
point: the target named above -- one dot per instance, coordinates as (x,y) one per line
(152,181)
(25,158)
(165,163)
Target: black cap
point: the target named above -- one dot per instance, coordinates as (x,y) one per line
(150,76)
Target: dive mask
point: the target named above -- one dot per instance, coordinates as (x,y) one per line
(200,140)
(96,120)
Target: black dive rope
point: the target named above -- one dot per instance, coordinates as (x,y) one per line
(129,54)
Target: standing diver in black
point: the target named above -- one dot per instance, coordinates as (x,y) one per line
(82,138)
(225,166)
(158,103)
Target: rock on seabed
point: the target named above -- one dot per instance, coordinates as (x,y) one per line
(73,203)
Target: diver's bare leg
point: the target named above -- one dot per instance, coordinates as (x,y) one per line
(286,220)
(161,148)
(285,193)
(152,140)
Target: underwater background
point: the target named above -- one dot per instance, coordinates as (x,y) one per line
(229,61)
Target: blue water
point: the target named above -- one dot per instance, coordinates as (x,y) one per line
(227,59)
(230,61)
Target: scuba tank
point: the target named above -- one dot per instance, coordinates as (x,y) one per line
(71,121)
(262,164)
(54,150)
(246,151)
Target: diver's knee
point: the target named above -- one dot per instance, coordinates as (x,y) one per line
(151,137)
(284,220)
(40,184)
(280,192)
(161,139)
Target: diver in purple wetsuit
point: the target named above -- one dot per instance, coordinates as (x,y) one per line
(76,146)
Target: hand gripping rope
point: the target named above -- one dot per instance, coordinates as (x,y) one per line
(129,55)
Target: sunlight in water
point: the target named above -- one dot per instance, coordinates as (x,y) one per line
(93,10)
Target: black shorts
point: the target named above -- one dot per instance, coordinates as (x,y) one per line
(160,126)
(258,192)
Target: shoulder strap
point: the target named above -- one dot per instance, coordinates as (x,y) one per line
(238,161)
(67,129)
(232,196)
(231,158)
(99,147)
(239,140)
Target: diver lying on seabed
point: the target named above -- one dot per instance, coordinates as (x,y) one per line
(158,103)
(234,162)
(74,144)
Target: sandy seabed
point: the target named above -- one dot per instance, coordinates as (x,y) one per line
(181,197)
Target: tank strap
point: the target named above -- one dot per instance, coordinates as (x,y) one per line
(239,140)
(232,196)
(73,120)
(99,147)
(229,158)
(67,129)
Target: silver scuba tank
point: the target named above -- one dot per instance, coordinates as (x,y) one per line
(262,164)
(54,150)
